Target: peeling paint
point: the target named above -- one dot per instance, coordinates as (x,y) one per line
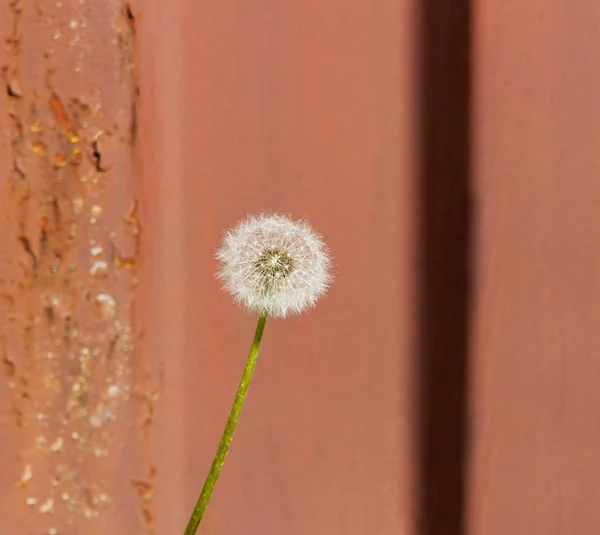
(73,240)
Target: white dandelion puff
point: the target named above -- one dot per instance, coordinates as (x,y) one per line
(273,265)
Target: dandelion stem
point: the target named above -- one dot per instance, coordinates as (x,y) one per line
(234,415)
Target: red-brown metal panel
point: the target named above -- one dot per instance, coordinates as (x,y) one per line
(72,393)
(134,134)
(301,108)
(535,428)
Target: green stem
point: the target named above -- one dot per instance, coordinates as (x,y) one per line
(234,415)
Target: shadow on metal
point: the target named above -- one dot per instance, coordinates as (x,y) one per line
(444,268)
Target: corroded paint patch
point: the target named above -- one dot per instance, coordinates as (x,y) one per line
(70,236)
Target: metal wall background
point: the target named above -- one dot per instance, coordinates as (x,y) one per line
(535,338)
(448,155)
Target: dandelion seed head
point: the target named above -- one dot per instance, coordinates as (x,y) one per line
(273,265)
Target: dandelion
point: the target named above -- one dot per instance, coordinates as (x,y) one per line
(275,267)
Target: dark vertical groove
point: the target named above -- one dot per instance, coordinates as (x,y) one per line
(444,269)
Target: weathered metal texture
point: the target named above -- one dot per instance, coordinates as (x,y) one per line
(347,113)
(241,109)
(72,428)
(535,398)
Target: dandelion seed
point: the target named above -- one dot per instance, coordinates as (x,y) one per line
(273,265)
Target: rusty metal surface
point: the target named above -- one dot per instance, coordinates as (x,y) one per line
(72,428)
(231,119)
(318,109)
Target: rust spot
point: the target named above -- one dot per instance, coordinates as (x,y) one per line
(13,90)
(97,157)
(130,16)
(76,157)
(18,415)
(68,328)
(17,125)
(18,170)
(150,400)
(13,42)
(81,109)
(56,211)
(111,346)
(148,516)
(133,126)
(15,6)
(39,147)
(27,246)
(10,367)
(12,86)
(49,313)
(62,118)
(7,298)
(35,127)
(43,236)
(132,218)
(59,160)
(143,488)
(125,262)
